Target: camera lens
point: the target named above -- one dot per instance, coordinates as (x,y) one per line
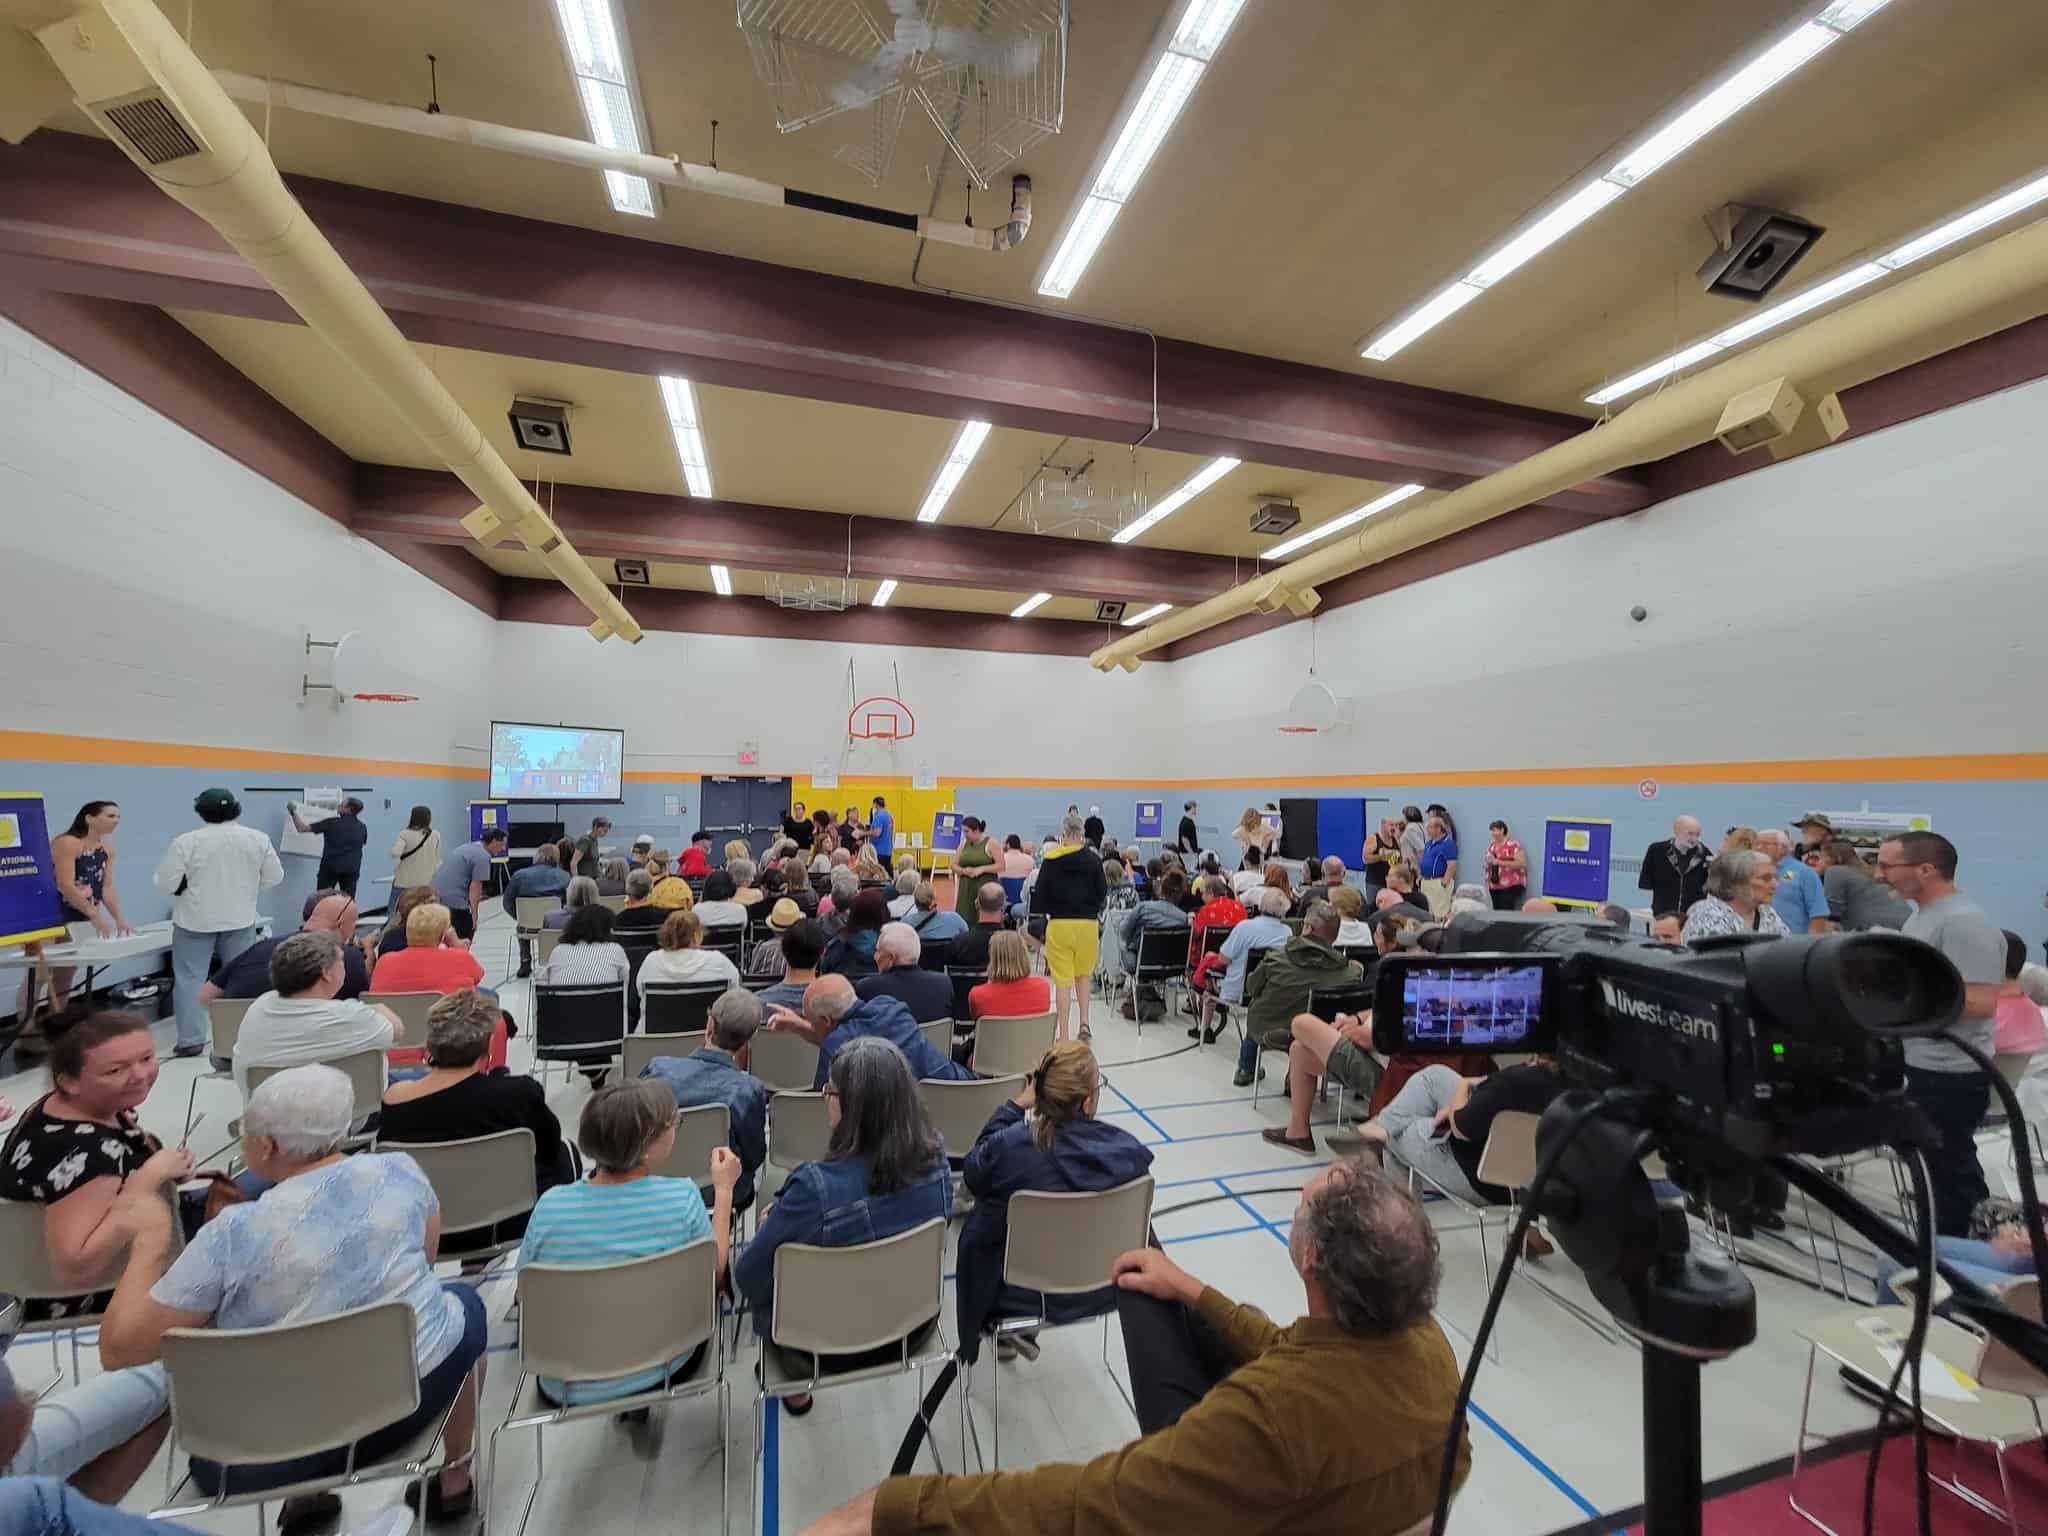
(1890,984)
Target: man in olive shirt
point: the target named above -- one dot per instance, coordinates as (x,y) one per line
(1335,1424)
(1278,989)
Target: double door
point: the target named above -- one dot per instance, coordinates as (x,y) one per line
(736,806)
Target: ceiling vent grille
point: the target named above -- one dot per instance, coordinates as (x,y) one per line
(151,127)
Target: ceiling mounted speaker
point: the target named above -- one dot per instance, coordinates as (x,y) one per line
(1753,249)
(1275,514)
(631,573)
(1110,611)
(540,426)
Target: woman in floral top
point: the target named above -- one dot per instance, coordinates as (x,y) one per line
(1507,869)
(76,1146)
(1740,886)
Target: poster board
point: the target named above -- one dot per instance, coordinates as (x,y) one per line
(30,905)
(1151,820)
(1575,859)
(315,804)
(1865,829)
(486,814)
(946,832)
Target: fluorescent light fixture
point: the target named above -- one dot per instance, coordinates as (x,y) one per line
(1174,75)
(721,580)
(1176,498)
(1351,519)
(1545,232)
(1034,601)
(883,593)
(966,444)
(681,403)
(1661,146)
(1775,315)
(595,44)
(2027,195)
(1983,216)
(1148,615)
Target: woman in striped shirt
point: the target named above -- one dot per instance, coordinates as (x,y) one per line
(625,1211)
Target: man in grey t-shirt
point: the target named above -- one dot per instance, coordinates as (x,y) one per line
(459,882)
(1948,1087)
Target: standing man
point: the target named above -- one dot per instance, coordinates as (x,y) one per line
(1814,829)
(1675,870)
(1945,1083)
(213,875)
(342,836)
(882,832)
(1069,894)
(1801,900)
(1187,840)
(459,882)
(590,847)
(1092,828)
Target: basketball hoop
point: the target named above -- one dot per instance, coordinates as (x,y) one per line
(880,718)
(1300,730)
(385,698)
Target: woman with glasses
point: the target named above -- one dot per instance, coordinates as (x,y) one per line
(1740,886)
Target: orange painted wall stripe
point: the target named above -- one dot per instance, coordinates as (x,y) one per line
(51,747)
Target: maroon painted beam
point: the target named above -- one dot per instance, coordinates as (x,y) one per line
(75,215)
(703,613)
(428,505)
(454,571)
(147,354)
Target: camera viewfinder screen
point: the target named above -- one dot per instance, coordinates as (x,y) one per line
(1458,1008)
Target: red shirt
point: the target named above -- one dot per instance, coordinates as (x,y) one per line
(693,862)
(1499,876)
(1222,912)
(437,968)
(1006,999)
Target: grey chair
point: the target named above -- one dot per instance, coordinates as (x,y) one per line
(412,1009)
(887,1294)
(938,1035)
(1063,1243)
(640,1049)
(782,1060)
(958,1111)
(482,1182)
(365,1073)
(799,1128)
(1509,1160)
(673,1007)
(239,1397)
(699,1129)
(224,1023)
(26,1273)
(544,946)
(1009,1043)
(528,913)
(654,1310)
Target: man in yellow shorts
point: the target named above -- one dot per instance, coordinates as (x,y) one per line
(1069,895)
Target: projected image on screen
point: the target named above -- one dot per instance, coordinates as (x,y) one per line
(555,762)
(1454,1007)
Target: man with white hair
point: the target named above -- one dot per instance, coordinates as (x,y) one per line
(927,994)
(1675,871)
(1332,870)
(717,1073)
(834,1017)
(1801,900)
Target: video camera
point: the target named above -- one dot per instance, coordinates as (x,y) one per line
(1748,1047)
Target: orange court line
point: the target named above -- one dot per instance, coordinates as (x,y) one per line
(52,747)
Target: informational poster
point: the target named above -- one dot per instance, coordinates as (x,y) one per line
(946,831)
(825,773)
(1865,829)
(1151,815)
(1575,859)
(486,814)
(671,805)
(315,804)
(924,775)
(30,907)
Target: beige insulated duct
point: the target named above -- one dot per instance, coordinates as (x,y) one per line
(134,76)
(1990,289)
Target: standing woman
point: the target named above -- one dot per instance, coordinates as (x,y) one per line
(973,867)
(1507,869)
(1252,832)
(1439,865)
(797,826)
(83,861)
(418,852)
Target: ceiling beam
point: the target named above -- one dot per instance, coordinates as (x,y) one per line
(525,601)
(458,573)
(83,221)
(428,505)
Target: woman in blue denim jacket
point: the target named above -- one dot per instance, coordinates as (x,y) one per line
(885,1173)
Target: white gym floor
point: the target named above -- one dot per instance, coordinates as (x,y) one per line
(1556,1420)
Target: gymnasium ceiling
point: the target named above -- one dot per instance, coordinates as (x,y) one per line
(1341,160)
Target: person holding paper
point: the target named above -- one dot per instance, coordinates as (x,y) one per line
(342,837)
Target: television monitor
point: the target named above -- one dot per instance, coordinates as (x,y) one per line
(556,762)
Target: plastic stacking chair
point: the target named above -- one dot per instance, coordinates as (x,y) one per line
(582,1025)
(224,1023)
(412,1009)
(365,1073)
(1005,1044)
(482,1182)
(1162,962)
(729,940)
(640,1049)
(1327,1003)
(850,1301)
(544,946)
(959,1110)
(938,1035)
(799,1129)
(1509,1160)
(612,903)
(783,1061)
(528,913)
(698,1129)
(654,1310)
(674,1007)
(1063,1244)
(26,1273)
(239,1396)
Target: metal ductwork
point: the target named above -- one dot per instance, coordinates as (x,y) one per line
(1990,289)
(664,169)
(135,77)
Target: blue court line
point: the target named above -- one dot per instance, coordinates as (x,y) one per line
(1249,1173)
(1542,1467)
(1162,1130)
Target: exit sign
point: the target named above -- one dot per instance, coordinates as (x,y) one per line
(750,753)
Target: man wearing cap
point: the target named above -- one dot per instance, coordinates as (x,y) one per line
(213,875)
(1814,829)
(696,859)
(342,837)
